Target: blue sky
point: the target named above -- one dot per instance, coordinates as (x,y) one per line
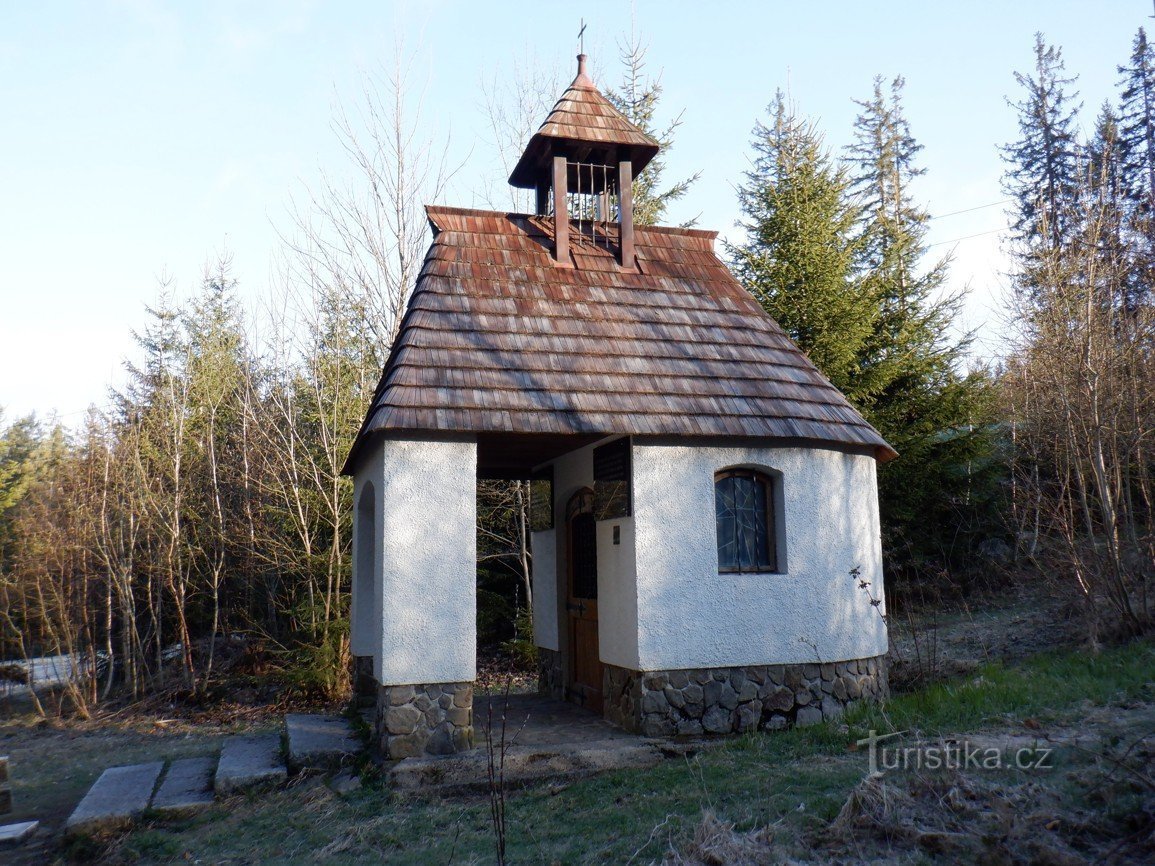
(140,138)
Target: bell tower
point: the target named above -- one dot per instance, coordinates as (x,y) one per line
(582,163)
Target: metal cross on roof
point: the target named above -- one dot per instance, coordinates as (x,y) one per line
(582,38)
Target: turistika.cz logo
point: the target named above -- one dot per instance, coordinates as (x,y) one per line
(952,755)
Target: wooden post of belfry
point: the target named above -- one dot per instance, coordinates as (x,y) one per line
(5,788)
(560,211)
(626,206)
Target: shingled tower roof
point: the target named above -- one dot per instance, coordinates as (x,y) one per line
(583,121)
(535,348)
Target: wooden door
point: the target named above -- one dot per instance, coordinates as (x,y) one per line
(582,602)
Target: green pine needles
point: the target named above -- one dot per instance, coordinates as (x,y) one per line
(835,251)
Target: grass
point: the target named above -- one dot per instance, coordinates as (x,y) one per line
(612,817)
(794,782)
(1044,688)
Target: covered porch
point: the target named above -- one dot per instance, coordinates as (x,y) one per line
(413,617)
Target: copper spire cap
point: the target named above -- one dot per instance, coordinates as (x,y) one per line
(583,80)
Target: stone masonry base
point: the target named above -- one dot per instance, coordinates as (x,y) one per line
(432,719)
(733,700)
(550,678)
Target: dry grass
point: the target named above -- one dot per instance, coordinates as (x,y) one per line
(963,817)
(717,843)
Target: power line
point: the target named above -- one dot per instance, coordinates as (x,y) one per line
(968,210)
(965,238)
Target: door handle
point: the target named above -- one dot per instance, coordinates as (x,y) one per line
(579,607)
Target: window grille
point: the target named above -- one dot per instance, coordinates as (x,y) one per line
(744,510)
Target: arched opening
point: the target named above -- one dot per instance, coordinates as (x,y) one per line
(364,613)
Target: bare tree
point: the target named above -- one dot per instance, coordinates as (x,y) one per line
(1076,393)
(352,259)
(363,236)
(516,102)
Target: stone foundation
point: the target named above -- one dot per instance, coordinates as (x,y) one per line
(434,719)
(550,674)
(734,700)
(622,696)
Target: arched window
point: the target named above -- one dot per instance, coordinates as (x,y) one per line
(364,616)
(744,508)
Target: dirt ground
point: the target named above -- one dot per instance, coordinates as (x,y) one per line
(952,639)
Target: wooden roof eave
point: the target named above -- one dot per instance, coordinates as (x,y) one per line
(534,161)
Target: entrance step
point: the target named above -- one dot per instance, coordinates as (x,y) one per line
(119,795)
(250,760)
(187,787)
(319,742)
(524,764)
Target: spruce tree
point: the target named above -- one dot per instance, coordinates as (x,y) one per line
(835,254)
(638,100)
(19,442)
(1136,160)
(908,380)
(1107,204)
(1137,124)
(1043,172)
(891,233)
(800,249)
(218,371)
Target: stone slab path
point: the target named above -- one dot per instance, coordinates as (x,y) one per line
(250,760)
(186,787)
(119,795)
(14,834)
(320,742)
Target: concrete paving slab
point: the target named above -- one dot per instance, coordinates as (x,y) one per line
(119,795)
(320,742)
(186,787)
(250,760)
(534,720)
(523,765)
(545,740)
(14,834)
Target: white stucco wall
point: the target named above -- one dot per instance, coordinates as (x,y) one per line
(545,600)
(617,585)
(690,615)
(426,559)
(618,636)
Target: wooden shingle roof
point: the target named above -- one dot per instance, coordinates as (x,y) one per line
(586,122)
(499,339)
